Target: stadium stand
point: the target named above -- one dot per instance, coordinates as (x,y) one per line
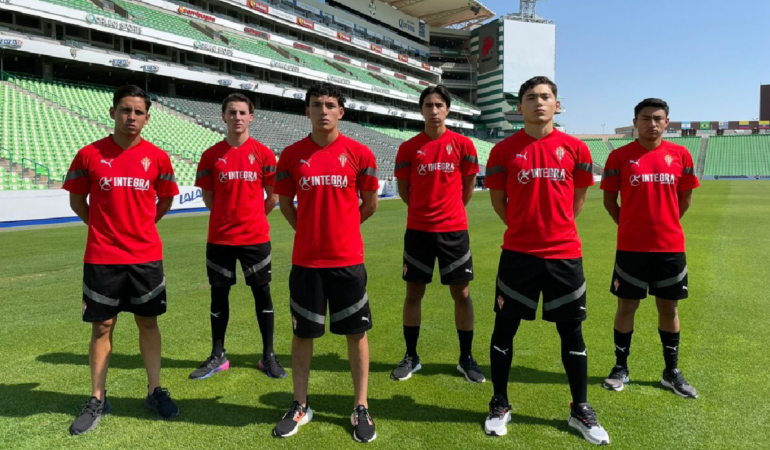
(86,6)
(738,155)
(151,18)
(599,150)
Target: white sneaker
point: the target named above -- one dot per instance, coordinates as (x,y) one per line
(498,418)
(583,419)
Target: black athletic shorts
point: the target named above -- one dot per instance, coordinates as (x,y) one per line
(664,274)
(521,278)
(453,250)
(255,263)
(109,289)
(344,288)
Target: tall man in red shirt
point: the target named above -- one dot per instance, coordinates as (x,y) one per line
(655,179)
(436,173)
(327,172)
(538,180)
(123,265)
(236,177)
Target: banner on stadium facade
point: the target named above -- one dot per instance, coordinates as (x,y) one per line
(11,43)
(342,58)
(373,68)
(737,177)
(403,58)
(119,25)
(304,47)
(705,125)
(686,125)
(305,23)
(205,46)
(489,36)
(257,6)
(195,14)
(343,37)
(724,125)
(764,125)
(400,76)
(744,125)
(375,48)
(257,33)
(427,66)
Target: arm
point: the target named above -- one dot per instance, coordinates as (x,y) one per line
(685,200)
(369,204)
(579,200)
(469,182)
(79,204)
(499,203)
(270,200)
(208,198)
(403,190)
(611,205)
(163,206)
(288,210)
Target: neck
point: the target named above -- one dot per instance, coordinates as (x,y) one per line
(126,141)
(236,139)
(650,144)
(538,130)
(323,137)
(435,133)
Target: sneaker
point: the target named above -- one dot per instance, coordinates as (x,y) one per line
(499,416)
(617,379)
(583,419)
(407,366)
(297,416)
(674,380)
(470,369)
(363,425)
(90,415)
(272,367)
(210,366)
(160,402)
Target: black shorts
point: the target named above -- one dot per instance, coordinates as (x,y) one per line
(521,278)
(663,273)
(344,288)
(453,250)
(109,289)
(255,263)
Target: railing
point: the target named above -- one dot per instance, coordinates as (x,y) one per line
(35,167)
(10,158)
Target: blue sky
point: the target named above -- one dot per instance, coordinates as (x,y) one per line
(706,58)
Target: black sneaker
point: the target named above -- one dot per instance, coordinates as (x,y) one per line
(498,418)
(297,416)
(160,402)
(210,366)
(583,418)
(90,415)
(470,369)
(409,365)
(674,380)
(363,425)
(272,367)
(617,379)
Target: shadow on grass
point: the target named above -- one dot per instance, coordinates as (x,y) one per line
(22,400)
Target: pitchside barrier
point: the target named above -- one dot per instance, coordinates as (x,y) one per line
(736,177)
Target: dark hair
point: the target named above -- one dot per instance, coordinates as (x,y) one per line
(439,89)
(238,98)
(536,81)
(653,102)
(321,89)
(130,91)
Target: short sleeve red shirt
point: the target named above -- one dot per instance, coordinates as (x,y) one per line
(649,182)
(539,176)
(327,181)
(435,171)
(122,186)
(238,177)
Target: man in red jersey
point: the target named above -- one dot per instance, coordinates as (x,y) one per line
(327,172)
(538,180)
(655,179)
(123,265)
(236,177)
(436,173)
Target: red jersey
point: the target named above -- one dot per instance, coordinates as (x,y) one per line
(649,182)
(326,181)
(539,177)
(238,177)
(122,186)
(435,171)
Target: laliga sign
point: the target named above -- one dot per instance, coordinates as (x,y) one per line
(151,69)
(11,43)
(224,82)
(120,62)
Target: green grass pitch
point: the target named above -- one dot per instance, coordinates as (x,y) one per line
(45,377)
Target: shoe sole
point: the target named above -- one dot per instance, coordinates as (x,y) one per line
(356,438)
(409,375)
(616,389)
(305,420)
(460,368)
(93,425)
(502,432)
(221,368)
(263,368)
(572,422)
(668,385)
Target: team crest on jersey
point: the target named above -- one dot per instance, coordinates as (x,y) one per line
(616,283)
(560,153)
(146,163)
(500,302)
(343,159)
(449,149)
(668,160)
(251,158)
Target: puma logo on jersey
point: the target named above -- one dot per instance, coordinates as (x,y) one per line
(583,353)
(622,349)
(108,162)
(504,352)
(224,160)
(634,162)
(420,153)
(522,156)
(303,161)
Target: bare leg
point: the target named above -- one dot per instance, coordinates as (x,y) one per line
(150,346)
(463,306)
(412,304)
(301,355)
(99,352)
(358,353)
(624,317)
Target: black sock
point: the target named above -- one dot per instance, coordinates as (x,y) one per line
(501,353)
(263,304)
(411,334)
(220,315)
(622,348)
(575,359)
(670,343)
(466,343)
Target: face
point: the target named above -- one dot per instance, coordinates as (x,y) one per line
(237,117)
(130,116)
(434,110)
(324,112)
(539,105)
(651,122)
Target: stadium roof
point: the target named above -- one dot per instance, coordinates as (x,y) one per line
(443,13)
